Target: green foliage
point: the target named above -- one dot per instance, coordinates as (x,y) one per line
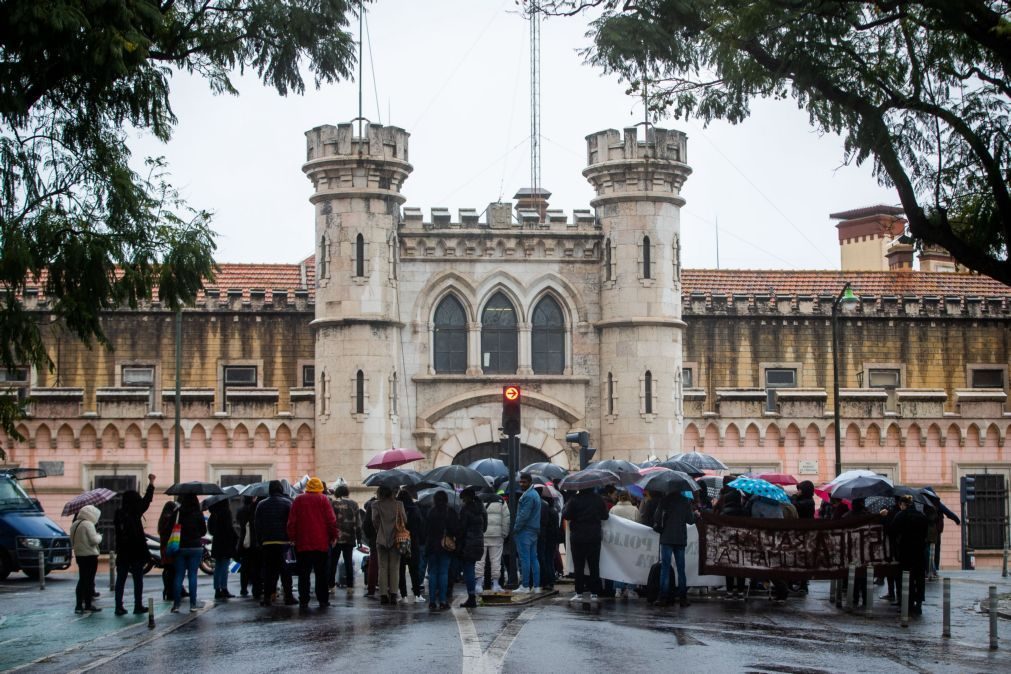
(75,219)
(919,87)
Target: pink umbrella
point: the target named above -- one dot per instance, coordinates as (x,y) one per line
(394,457)
(93,497)
(781,479)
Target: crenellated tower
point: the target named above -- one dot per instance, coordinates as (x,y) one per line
(638,185)
(359,385)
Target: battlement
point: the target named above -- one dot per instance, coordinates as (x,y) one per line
(498,216)
(662,144)
(889,306)
(376,142)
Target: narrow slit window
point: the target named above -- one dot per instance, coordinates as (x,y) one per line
(607,260)
(646,257)
(360,256)
(360,393)
(610,394)
(648,391)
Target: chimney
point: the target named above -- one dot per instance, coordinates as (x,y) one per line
(530,199)
(936,258)
(864,236)
(900,256)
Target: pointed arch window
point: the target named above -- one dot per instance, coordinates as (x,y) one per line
(498,336)
(450,337)
(646,257)
(360,393)
(548,337)
(647,391)
(360,255)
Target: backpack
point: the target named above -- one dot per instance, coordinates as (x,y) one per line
(346,511)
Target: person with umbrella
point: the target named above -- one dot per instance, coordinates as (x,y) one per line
(470,546)
(909,527)
(673,515)
(312,529)
(270,522)
(547,538)
(584,512)
(441,530)
(223,544)
(410,565)
(131,545)
(191,548)
(386,512)
(85,539)
(525,531)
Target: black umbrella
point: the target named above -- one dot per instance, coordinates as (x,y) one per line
(919,495)
(649,464)
(490,467)
(682,466)
(461,475)
(667,481)
(700,460)
(862,487)
(588,479)
(195,488)
(626,470)
(426,497)
(551,471)
(227,493)
(262,489)
(393,478)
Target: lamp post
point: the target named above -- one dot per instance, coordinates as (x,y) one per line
(847,297)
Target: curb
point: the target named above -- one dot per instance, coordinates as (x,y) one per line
(500,599)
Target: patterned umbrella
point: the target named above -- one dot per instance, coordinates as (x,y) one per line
(391,458)
(713,485)
(393,478)
(588,479)
(700,460)
(876,504)
(551,471)
(626,470)
(682,466)
(93,497)
(757,487)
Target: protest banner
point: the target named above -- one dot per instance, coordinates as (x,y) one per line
(790,549)
(629,549)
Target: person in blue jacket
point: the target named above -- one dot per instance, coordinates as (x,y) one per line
(525,530)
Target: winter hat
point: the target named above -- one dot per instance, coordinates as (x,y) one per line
(314,486)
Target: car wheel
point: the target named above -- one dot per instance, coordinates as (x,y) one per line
(34,573)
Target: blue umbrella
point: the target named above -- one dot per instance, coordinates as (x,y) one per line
(757,487)
(490,467)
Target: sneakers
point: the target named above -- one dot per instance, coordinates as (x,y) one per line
(175,608)
(577,597)
(419,599)
(593,597)
(537,590)
(194,609)
(522,589)
(495,587)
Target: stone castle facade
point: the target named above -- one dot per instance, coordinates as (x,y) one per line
(401,330)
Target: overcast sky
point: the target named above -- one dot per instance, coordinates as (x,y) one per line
(455,74)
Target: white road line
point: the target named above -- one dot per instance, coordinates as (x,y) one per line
(492,660)
(495,655)
(473,659)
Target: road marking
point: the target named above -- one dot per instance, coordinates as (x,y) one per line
(491,661)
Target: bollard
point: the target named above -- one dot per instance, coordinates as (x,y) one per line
(946,608)
(869,592)
(993,617)
(831,590)
(150,613)
(42,570)
(904,589)
(112,571)
(1003,572)
(851,588)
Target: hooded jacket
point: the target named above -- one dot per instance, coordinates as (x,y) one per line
(83,534)
(271,519)
(473,522)
(584,512)
(672,517)
(498,522)
(312,524)
(131,541)
(528,512)
(220,526)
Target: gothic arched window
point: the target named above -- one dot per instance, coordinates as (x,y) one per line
(498,336)
(548,337)
(450,337)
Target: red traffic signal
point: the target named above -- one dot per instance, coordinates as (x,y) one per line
(511,410)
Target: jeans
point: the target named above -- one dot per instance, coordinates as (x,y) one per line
(470,576)
(137,571)
(274,565)
(314,562)
(438,577)
(87,567)
(586,553)
(678,552)
(221,565)
(526,551)
(344,550)
(187,561)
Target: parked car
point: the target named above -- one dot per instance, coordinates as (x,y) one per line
(25,530)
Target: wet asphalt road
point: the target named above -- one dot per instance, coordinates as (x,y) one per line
(39,632)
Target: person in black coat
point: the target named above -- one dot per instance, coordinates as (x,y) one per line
(547,541)
(441,529)
(803,500)
(132,556)
(909,526)
(584,513)
(410,564)
(223,546)
(249,552)
(671,520)
(731,506)
(470,543)
(271,526)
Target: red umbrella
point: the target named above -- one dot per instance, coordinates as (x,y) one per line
(777,478)
(394,457)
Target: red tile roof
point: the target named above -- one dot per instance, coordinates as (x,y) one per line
(854,213)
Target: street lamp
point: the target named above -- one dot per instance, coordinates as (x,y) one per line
(846,297)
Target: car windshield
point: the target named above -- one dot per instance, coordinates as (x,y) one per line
(12,496)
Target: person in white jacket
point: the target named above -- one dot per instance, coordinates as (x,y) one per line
(86,539)
(499,525)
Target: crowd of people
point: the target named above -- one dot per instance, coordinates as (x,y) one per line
(314,535)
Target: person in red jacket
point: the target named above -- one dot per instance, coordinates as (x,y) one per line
(312,528)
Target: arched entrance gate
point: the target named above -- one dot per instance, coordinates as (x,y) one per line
(490,450)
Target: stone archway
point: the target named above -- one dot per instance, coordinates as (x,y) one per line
(491,450)
(445,453)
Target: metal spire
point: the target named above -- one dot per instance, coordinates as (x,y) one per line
(535,98)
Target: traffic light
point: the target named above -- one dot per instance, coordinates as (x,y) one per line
(586,456)
(511,410)
(968,488)
(582,438)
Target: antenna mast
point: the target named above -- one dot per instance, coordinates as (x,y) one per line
(535,98)
(361,42)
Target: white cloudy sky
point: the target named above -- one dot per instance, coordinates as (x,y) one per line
(455,74)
